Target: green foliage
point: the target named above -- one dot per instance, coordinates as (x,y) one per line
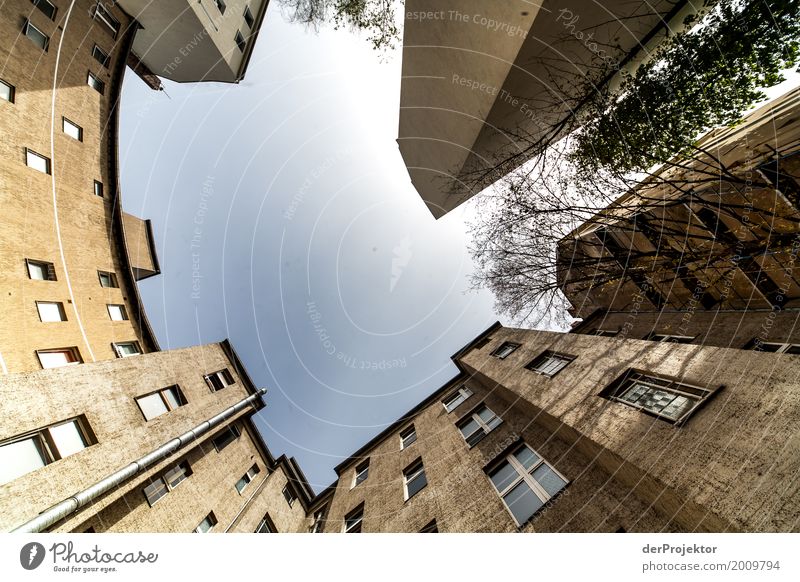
(705,77)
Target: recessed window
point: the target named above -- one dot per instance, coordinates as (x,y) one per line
(40,270)
(361,472)
(430,527)
(266,526)
(58,357)
(117,312)
(604,333)
(662,397)
(289,496)
(38,38)
(50,311)
(225,437)
(673,339)
(160,402)
(525,482)
(240,41)
(107,279)
(773,347)
(207,524)
(220,6)
(248,17)
(414,479)
(37,161)
(101,56)
(354,520)
(7,92)
(111,24)
(549,364)
(247,478)
(218,380)
(71,129)
(319,521)
(505,350)
(166,482)
(407,436)
(478,424)
(24,453)
(47,8)
(451,402)
(95,83)
(98,188)
(127,349)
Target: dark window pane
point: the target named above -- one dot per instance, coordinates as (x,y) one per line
(522,502)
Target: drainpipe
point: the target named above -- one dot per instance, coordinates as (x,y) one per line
(74,503)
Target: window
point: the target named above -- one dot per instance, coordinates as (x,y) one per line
(219,380)
(41,270)
(225,437)
(289,495)
(95,83)
(674,339)
(166,482)
(126,349)
(220,6)
(430,527)
(478,424)
(266,526)
(456,398)
(98,188)
(47,8)
(414,479)
(247,478)
(6,91)
(525,482)
(505,350)
(101,56)
(117,312)
(604,333)
(37,161)
(72,130)
(240,41)
(248,17)
(107,279)
(207,524)
(549,364)
(22,454)
(157,403)
(56,358)
(407,436)
(775,348)
(661,397)
(353,520)
(38,38)
(103,16)
(361,473)
(50,311)
(319,521)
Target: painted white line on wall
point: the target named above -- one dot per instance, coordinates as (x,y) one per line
(53,182)
(3,364)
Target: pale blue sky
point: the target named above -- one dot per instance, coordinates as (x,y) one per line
(285,201)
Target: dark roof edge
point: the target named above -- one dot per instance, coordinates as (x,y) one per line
(241,371)
(251,42)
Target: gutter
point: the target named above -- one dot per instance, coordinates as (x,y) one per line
(72,504)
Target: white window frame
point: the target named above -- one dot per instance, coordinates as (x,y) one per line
(48,269)
(98,189)
(230,429)
(455,399)
(780,347)
(71,129)
(549,363)
(505,349)
(71,351)
(407,431)
(484,427)
(112,279)
(35,40)
(117,309)
(224,377)
(319,521)
(96,83)
(355,515)
(31,155)
(212,522)
(667,338)
(101,56)
(605,333)
(412,472)
(11,90)
(100,14)
(247,478)
(169,484)
(266,525)
(118,345)
(360,469)
(59,307)
(178,396)
(289,495)
(525,475)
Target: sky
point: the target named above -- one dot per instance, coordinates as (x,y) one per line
(285,220)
